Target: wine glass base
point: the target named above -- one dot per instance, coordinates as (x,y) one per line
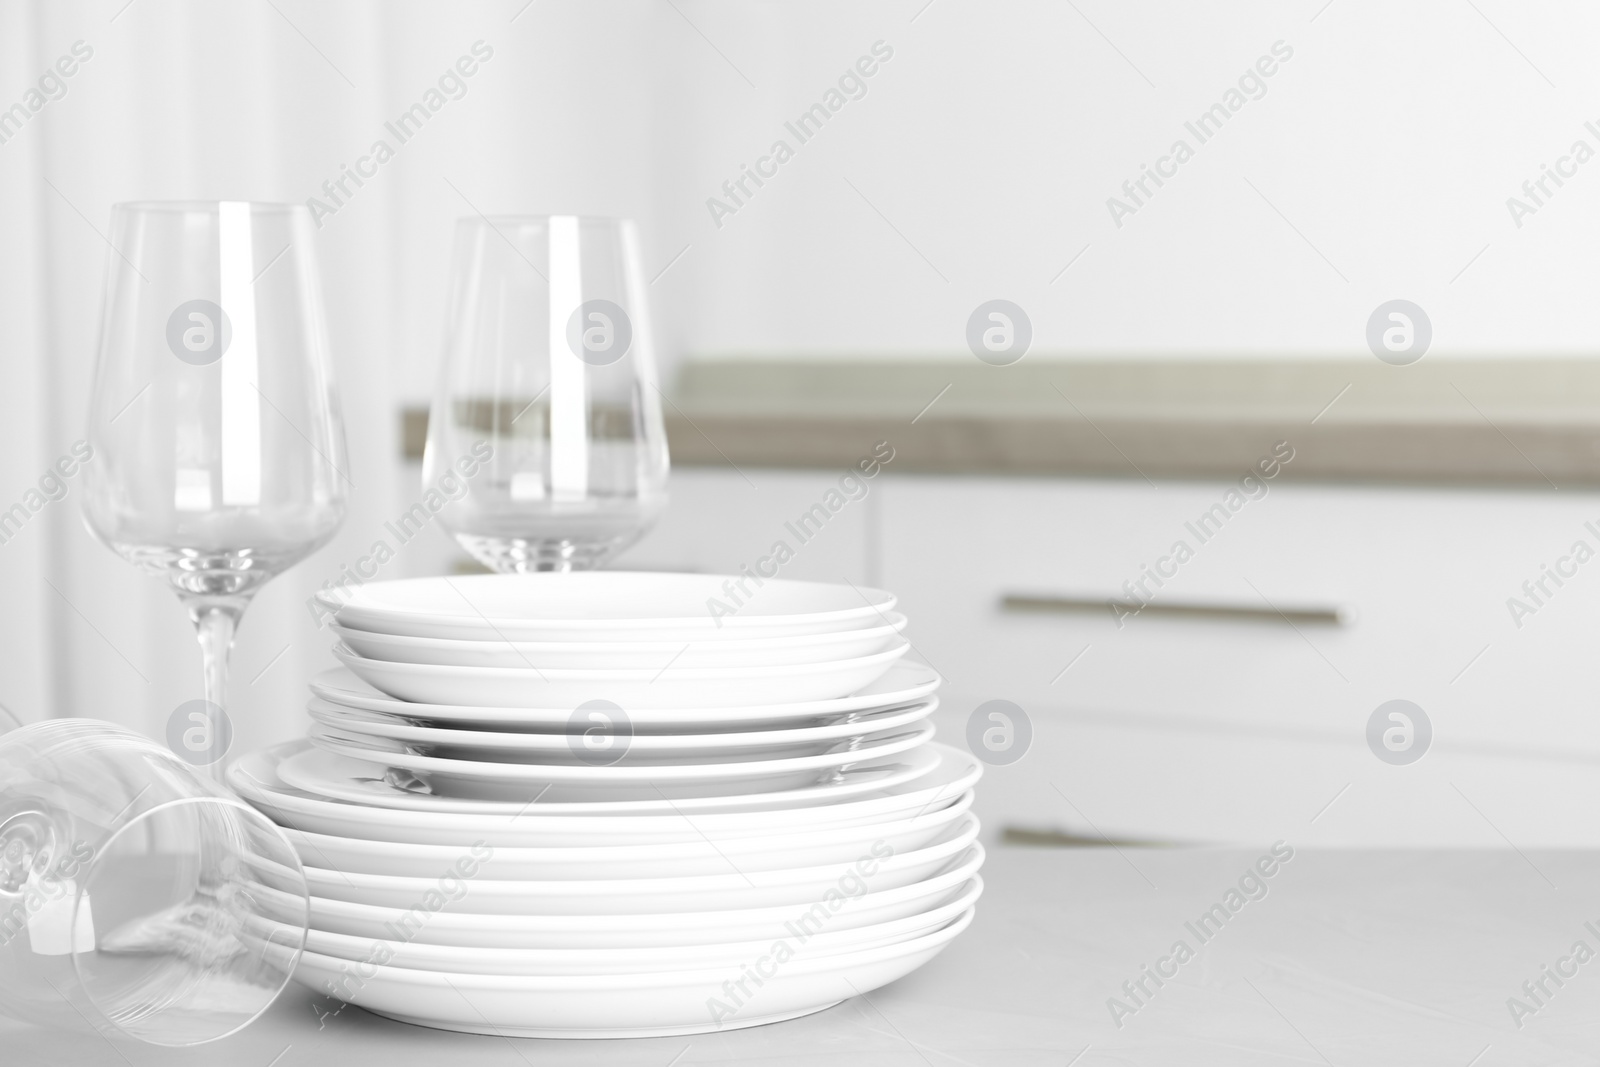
(519,555)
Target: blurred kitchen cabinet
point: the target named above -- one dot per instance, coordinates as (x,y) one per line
(1235,706)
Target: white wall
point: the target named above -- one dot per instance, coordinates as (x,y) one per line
(1391,141)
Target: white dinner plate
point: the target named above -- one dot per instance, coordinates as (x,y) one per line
(820,940)
(337,797)
(455,743)
(709,892)
(338,777)
(903,683)
(709,855)
(612,655)
(599,1006)
(623,780)
(447,927)
(603,606)
(512,687)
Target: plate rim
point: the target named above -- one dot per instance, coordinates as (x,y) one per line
(347,600)
(797,709)
(919,733)
(967,900)
(623,853)
(500,739)
(759,644)
(760,804)
(624,675)
(655,979)
(647,920)
(955,845)
(965,768)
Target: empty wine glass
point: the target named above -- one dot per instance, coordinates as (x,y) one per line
(219,452)
(546,446)
(136,896)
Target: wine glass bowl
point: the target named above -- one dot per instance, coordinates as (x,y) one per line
(216,428)
(219,451)
(548,394)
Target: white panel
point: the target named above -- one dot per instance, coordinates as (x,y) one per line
(717,522)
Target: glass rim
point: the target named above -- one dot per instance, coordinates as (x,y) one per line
(203,207)
(100,853)
(494,221)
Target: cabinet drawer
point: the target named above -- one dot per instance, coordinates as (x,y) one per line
(1199,726)
(1422,579)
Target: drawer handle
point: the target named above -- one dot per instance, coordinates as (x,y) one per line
(1314,614)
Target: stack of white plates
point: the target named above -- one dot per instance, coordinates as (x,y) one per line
(600,804)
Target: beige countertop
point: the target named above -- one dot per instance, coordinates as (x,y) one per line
(1533,422)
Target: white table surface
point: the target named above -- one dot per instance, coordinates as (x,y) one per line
(1351,958)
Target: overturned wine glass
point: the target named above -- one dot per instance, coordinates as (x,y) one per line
(137,897)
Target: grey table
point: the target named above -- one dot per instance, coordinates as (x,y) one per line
(1337,958)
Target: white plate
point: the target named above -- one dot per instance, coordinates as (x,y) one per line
(611,655)
(325,774)
(673,687)
(624,780)
(820,940)
(602,606)
(903,683)
(337,800)
(709,855)
(710,892)
(447,927)
(492,745)
(647,1005)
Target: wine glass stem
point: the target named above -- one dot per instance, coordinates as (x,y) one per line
(214,623)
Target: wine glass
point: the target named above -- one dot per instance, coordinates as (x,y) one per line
(218,449)
(137,897)
(546,443)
